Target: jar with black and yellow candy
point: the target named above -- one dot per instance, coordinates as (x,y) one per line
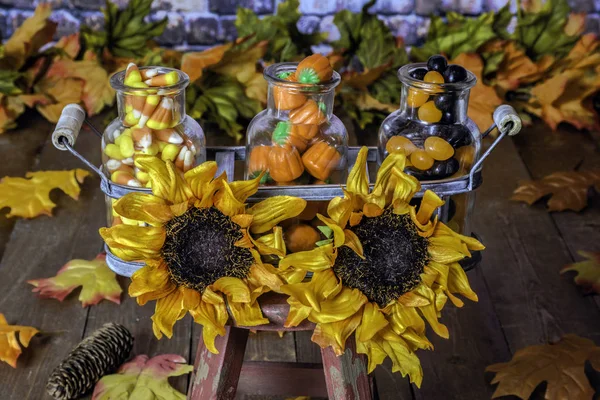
(431,125)
(298,139)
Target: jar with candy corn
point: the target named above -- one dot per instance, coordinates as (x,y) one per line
(431,125)
(297,140)
(152,121)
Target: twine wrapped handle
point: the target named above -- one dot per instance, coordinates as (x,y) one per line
(68,126)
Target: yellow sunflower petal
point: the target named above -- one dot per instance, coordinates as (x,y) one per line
(459,283)
(293,275)
(392,161)
(179,208)
(213,318)
(358,181)
(323,285)
(264,275)
(355,218)
(374,352)
(209,191)
(198,177)
(226,201)
(403,188)
(235,289)
(243,220)
(429,204)
(447,249)
(151,283)
(431,312)
(441,271)
(272,243)
(415,340)
(168,310)
(372,210)
(345,304)
(212,297)
(167,182)
(373,320)
(335,334)
(338,232)
(247,314)
(134,242)
(191,298)
(413,299)
(318,259)
(298,313)
(352,241)
(244,189)
(339,210)
(403,359)
(273,210)
(443,230)
(401,318)
(246,241)
(144,207)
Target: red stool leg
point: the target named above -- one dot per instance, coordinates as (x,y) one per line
(216,375)
(346,376)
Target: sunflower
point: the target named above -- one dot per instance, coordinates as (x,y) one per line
(194,236)
(387,269)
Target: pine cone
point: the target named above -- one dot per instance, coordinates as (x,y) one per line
(95,356)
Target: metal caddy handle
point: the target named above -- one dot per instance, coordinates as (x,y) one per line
(64,137)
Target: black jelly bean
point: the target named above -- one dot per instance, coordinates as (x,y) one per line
(445,101)
(418,73)
(448,117)
(437,63)
(455,73)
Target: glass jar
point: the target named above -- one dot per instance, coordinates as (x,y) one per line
(152,121)
(432,127)
(297,139)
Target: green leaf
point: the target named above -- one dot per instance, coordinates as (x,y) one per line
(387,88)
(325,230)
(8,80)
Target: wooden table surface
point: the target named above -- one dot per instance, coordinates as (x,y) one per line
(522,298)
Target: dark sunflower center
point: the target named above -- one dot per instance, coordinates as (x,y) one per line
(395,256)
(199,248)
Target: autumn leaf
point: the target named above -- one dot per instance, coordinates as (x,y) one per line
(33,33)
(561,365)
(483,99)
(568,189)
(96,279)
(10,349)
(588,272)
(194,63)
(144,378)
(61,91)
(30,198)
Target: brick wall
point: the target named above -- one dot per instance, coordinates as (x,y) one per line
(201,23)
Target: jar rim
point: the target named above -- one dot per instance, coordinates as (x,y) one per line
(404,77)
(118,78)
(270,75)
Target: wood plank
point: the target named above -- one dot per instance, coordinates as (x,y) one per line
(268,346)
(534,304)
(20,149)
(306,350)
(37,249)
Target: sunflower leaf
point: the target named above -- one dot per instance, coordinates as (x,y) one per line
(588,272)
(97,282)
(325,230)
(568,190)
(560,365)
(324,242)
(144,378)
(30,198)
(10,349)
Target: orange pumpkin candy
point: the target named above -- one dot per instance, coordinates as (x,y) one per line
(285,163)
(308,114)
(287,98)
(314,69)
(320,160)
(301,237)
(259,160)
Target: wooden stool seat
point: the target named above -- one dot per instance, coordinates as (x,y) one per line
(216,376)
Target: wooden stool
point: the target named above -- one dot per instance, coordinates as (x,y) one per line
(216,376)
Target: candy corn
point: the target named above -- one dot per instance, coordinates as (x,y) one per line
(132,75)
(148,108)
(169,136)
(163,115)
(148,73)
(142,137)
(167,79)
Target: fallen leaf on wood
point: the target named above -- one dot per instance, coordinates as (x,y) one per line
(144,378)
(30,198)
(588,272)
(10,349)
(568,190)
(97,282)
(561,365)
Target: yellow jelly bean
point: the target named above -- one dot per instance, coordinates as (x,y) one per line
(416,98)
(126,146)
(397,143)
(421,160)
(113,151)
(438,148)
(433,77)
(162,145)
(429,113)
(142,176)
(170,152)
(151,150)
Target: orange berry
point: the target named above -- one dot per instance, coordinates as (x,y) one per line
(438,148)
(421,160)
(416,98)
(433,77)
(397,143)
(429,113)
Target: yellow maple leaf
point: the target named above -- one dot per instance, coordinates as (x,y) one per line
(96,279)
(588,272)
(62,91)
(516,67)
(561,365)
(483,99)
(193,63)
(33,33)
(568,189)
(9,346)
(30,198)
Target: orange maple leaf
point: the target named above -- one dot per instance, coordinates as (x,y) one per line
(96,279)
(588,272)
(10,350)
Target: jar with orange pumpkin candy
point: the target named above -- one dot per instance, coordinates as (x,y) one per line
(298,139)
(431,125)
(151,121)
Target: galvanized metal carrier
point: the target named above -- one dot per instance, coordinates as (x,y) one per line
(64,137)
